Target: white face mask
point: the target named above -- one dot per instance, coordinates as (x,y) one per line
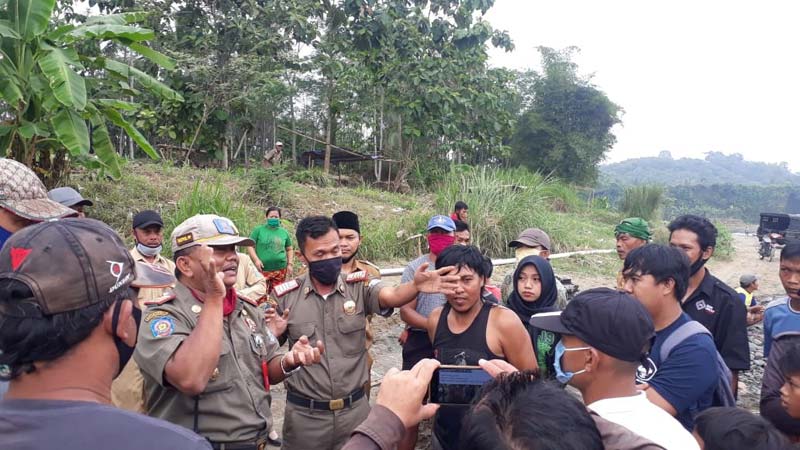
(148,251)
(522,252)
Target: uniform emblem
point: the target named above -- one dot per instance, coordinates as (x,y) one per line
(154,315)
(196,309)
(349,307)
(250,324)
(701,305)
(162,327)
(214,374)
(356,277)
(646,371)
(284,288)
(184,239)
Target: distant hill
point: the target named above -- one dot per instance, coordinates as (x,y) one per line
(716,168)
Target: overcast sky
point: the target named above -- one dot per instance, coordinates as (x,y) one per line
(692,76)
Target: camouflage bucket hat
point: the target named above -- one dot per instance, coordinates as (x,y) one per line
(22,193)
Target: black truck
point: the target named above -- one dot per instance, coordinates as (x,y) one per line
(786,225)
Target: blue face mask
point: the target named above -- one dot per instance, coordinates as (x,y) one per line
(561,376)
(4,235)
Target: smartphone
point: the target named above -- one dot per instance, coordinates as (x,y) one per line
(456,385)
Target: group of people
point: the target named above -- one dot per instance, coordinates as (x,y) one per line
(104,345)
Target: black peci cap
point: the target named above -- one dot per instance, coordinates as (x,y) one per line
(146,218)
(347,220)
(608,320)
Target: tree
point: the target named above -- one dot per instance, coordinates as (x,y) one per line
(567,129)
(57,102)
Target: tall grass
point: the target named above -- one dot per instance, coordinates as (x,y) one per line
(642,201)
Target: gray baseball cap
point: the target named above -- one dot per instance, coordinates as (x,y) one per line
(209,229)
(23,193)
(747,279)
(532,237)
(68,197)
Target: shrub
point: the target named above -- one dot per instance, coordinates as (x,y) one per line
(642,201)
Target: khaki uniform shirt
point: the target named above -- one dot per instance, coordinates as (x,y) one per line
(127,389)
(339,322)
(148,294)
(249,281)
(235,404)
(374,274)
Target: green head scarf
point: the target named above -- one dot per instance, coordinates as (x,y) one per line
(634,227)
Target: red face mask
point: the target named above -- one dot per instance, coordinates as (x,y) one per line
(439,242)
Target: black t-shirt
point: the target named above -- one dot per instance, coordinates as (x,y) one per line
(718,308)
(71,425)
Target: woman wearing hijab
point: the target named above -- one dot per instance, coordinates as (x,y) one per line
(535,292)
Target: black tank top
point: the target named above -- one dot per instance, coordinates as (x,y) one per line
(463,349)
(459,349)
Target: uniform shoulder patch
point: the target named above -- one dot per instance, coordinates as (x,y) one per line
(247,299)
(161,300)
(284,288)
(357,277)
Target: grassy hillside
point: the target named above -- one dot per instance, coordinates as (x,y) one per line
(501,204)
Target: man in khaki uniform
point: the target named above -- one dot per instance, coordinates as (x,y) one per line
(325,402)
(349,241)
(127,390)
(206,354)
(250,282)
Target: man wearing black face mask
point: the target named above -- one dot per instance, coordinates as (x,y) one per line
(325,402)
(708,300)
(66,335)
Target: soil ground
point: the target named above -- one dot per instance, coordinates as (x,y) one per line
(387,351)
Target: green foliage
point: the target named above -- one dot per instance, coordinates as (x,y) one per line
(642,201)
(566,129)
(54,82)
(724,249)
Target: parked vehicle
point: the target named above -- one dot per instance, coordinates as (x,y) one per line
(783,227)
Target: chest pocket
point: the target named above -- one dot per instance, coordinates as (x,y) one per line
(222,377)
(296,330)
(352,334)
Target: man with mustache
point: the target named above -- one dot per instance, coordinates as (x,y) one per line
(708,300)
(630,234)
(206,354)
(325,403)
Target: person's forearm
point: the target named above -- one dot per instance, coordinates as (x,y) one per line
(289,257)
(397,296)
(413,318)
(253,256)
(193,363)
(276,374)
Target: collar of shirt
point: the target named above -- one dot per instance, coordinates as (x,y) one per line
(706,288)
(307,286)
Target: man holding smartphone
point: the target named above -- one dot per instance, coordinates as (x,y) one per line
(466,330)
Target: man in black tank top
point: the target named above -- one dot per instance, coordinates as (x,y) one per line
(466,329)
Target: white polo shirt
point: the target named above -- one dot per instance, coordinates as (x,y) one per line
(644,418)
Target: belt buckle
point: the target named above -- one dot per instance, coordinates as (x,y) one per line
(336,405)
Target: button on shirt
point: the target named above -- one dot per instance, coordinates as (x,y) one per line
(718,308)
(338,319)
(234,406)
(639,415)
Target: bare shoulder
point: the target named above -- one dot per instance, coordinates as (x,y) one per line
(504,316)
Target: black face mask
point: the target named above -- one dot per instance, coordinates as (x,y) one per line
(124,350)
(326,271)
(697,265)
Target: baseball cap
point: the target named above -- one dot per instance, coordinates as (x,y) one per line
(144,219)
(209,229)
(531,237)
(68,264)
(68,197)
(279,143)
(747,278)
(23,193)
(608,320)
(442,222)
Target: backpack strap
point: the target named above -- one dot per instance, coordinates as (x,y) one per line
(681,334)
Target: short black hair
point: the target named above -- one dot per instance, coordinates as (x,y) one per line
(791,251)
(705,230)
(662,262)
(460,205)
(182,252)
(461,225)
(313,227)
(514,411)
(462,256)
(789,363)
(27,335)
(274,208)
(731,428)
(488,266)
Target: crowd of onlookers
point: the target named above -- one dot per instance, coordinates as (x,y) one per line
(99,341)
